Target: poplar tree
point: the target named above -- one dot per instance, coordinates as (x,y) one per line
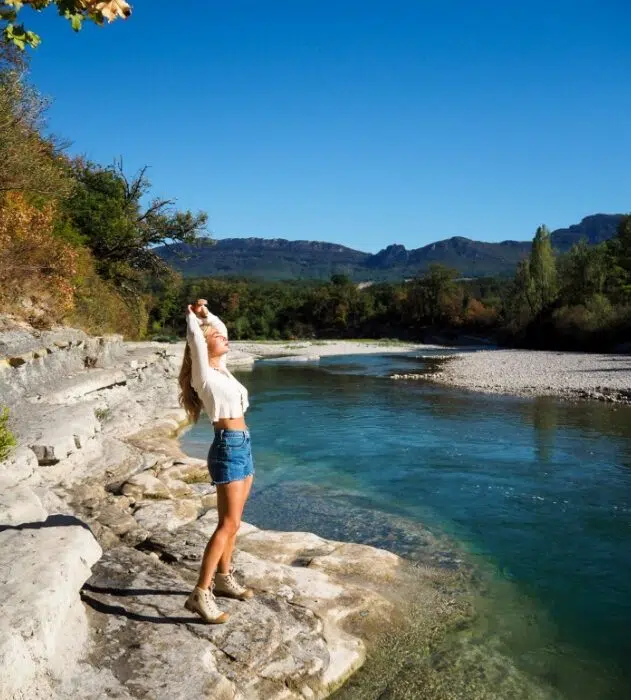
(543,287)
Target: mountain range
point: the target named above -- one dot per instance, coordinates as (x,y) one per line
(277,259)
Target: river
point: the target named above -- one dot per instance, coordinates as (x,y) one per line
(534,493)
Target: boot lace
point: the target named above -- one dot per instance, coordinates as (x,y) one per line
(232,582)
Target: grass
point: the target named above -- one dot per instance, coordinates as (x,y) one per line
(7,439)
(103,414)
(197,476)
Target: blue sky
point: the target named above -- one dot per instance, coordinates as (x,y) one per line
(363,123)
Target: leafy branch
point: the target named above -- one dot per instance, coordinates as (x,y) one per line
(74,11)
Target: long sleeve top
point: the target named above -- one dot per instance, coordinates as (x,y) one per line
(222,395)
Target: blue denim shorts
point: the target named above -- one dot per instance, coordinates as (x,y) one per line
(230,456)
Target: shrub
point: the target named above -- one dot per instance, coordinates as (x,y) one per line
(34,264)
(477,314)
(102,414)
(98,306)
(7,440)
(597,313)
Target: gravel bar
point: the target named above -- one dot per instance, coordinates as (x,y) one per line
(540,373)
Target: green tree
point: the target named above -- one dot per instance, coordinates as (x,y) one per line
(76,12)
(431,298)
(522,298)
(542,270)
(619,248)
(583,272)
(106,208)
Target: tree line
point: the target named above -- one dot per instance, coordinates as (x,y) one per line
(580,300)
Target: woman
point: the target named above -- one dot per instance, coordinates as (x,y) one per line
(205,382)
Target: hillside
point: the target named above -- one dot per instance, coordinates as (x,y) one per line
(276,259)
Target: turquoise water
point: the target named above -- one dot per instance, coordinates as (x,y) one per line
(536,492)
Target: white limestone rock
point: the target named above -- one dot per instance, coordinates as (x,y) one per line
(55,433)
(19,466)
(20,504)
(270,649)
(167,515)
(43,628)
(76,386)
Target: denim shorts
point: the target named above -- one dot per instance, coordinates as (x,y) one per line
(230,456)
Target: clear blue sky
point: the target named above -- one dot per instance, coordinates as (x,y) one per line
(358,122)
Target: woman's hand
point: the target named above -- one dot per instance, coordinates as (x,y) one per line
(199,308)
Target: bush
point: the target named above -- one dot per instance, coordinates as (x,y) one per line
(7,441)
(478,315)
(596,314)
(34,264)
(99,308)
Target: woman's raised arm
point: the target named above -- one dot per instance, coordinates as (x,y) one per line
(197,344)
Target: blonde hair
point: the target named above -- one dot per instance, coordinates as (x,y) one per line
(188,397)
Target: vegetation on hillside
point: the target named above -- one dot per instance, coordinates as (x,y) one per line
(76,241)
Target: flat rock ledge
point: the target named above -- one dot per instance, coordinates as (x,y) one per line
(103,521)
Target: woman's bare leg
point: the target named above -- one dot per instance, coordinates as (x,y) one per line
(230,496)
(226,557)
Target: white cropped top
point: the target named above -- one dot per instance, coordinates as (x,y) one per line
(221,393)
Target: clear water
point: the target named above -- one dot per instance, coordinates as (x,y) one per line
(536,491)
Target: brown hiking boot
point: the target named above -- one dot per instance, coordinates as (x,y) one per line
(226,585)
(203,603)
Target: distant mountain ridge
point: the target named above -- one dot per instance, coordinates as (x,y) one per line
(277,258)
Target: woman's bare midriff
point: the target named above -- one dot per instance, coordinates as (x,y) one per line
(230,424)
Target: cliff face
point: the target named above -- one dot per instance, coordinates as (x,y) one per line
(103,523)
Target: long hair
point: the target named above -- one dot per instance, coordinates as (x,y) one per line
(189,399)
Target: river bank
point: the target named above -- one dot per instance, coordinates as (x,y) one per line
(246,352)
(539,373)
(499,371)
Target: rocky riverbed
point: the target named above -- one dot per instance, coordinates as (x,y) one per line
(540,373)
(103,521)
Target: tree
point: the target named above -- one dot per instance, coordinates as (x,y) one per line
(535,285)
(542,270)
(75,11)
(583,272)
(619,249)
(430,298)
(106,208)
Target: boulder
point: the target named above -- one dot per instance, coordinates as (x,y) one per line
(178,488)
(167,515)
(20,465)
(43,628)
(191,472)
(78,385)
(20,504)
(145,485)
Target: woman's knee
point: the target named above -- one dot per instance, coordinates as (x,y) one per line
(230,526)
